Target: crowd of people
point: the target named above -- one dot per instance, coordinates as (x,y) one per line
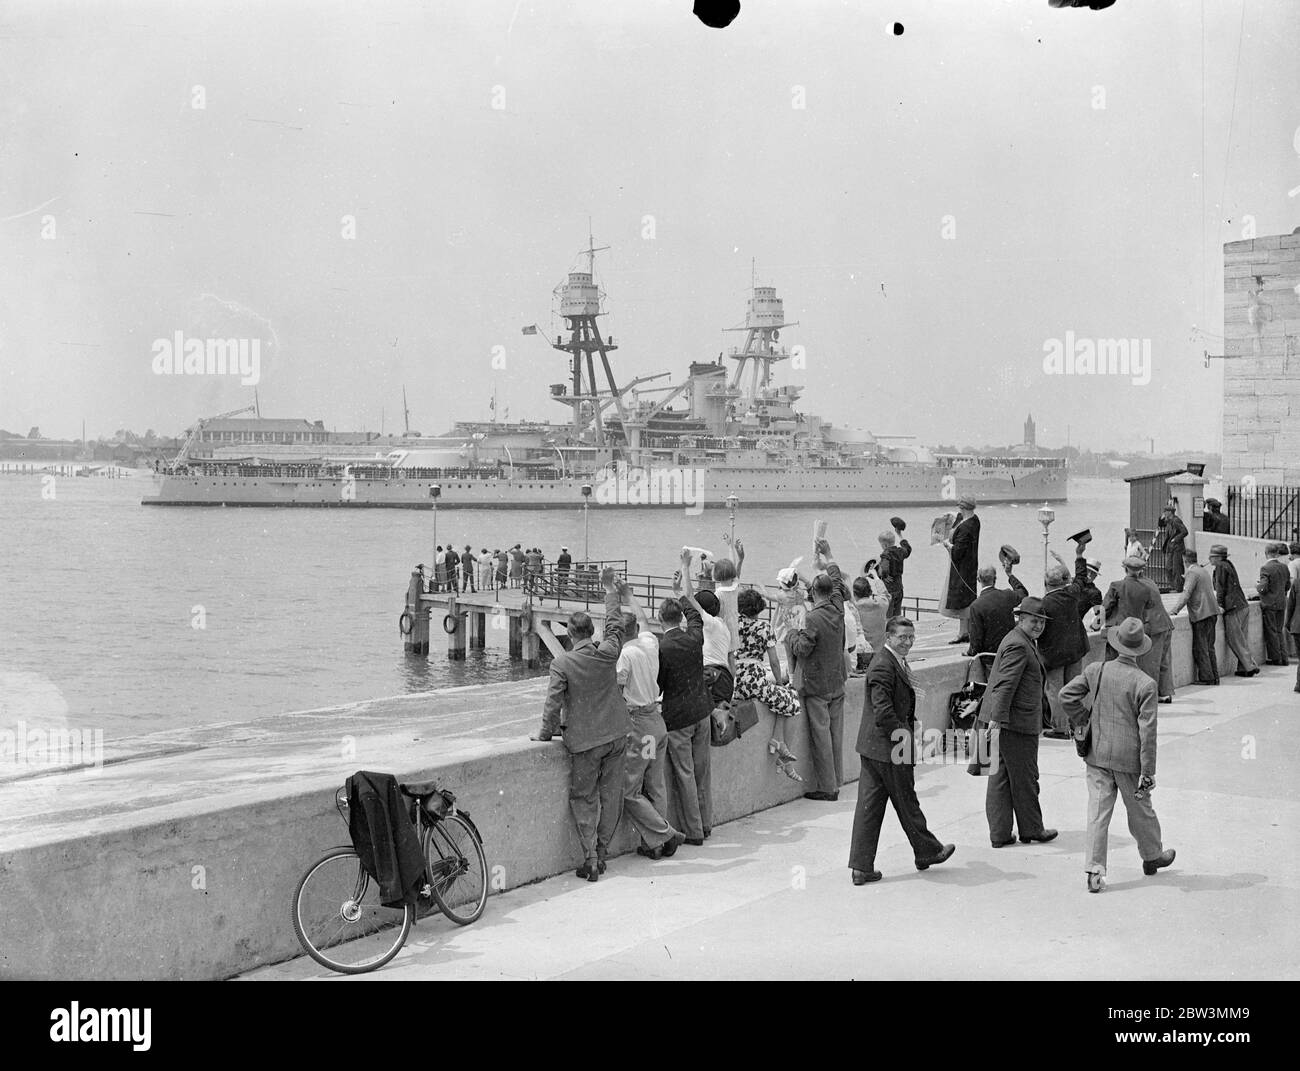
(488,571)
(639,713)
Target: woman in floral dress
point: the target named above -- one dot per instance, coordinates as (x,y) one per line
(758,646)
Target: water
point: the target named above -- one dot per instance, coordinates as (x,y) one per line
(299,607)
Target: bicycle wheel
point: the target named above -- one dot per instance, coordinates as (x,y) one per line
(339,919)
(457,868)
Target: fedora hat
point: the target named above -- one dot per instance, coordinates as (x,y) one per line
(1128,637)
(899,523)
(1032,606)
(1219,550)
(1085,534)
(1010,554)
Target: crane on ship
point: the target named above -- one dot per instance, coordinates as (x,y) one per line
(195,431)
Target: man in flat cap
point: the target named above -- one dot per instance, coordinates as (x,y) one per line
(1013,703)
(1212,520)
(1137,596)
(963,547)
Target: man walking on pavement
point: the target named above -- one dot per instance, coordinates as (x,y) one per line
(1013,703)
(1112,704)
(888,748)
(584,688)
(819,648)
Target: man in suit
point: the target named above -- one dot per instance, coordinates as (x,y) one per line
(1232,602)
(992,614)
(1013,703)
(1203,612)
(1273,584)
(467,563)
(887,745)
(1172,543)
(890,566)
(1137,596)
(584,688)
(562,565)
(1063,642)
(1293,614)
(819,647)
(686,709)
(963,548)
(1117,701)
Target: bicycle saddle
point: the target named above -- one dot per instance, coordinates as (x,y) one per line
(420,790)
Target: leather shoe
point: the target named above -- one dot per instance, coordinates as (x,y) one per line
(861,877)
(1253,672)
(696,842)
(825,797)
(1039,838)
(589,870)
(650,853)
(945,853)
(669,847)
(1057,734)
(1165,699)
(1004,843)
(1166,858)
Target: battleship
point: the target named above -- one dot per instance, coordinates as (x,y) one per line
(721,434)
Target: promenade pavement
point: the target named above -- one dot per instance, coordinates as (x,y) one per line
(770,897)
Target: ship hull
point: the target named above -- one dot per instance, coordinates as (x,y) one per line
(769,488)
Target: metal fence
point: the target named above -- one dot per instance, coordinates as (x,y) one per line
(1264,512)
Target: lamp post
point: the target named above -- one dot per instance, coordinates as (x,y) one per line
(435,492)
(586,527)
(732,502)
(1046,515)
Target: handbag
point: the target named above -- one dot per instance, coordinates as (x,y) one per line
(741,717)
(1084,745)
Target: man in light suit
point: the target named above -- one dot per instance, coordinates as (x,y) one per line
(1013,703)
(887,744)
(584,686)
(1203,612)
(1117,701)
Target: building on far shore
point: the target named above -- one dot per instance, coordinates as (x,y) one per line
(1261,367)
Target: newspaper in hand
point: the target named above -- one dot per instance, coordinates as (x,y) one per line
(941,528)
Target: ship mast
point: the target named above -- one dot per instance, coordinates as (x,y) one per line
(763,322)
(580,306)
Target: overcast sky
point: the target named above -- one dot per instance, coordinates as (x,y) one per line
(227,220)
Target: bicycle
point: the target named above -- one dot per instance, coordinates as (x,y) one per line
(337,913)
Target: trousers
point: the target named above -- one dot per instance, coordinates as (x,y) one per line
(688,770)
(645,799)
(1053,682)
(1142,820)
(826,734)
(881,783)
(1203,658)
(1234,632)
(596,795)
(1013,785)
(1274,637)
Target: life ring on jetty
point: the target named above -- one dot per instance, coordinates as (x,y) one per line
(449,624)
(406,623)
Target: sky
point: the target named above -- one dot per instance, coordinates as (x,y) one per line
(384,194)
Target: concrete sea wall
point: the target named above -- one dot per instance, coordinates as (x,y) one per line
(202,889)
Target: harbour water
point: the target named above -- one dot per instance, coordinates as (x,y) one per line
(131,620)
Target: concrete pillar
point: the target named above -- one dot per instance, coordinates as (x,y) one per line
(516,637)
(1188,491)
(456,639)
